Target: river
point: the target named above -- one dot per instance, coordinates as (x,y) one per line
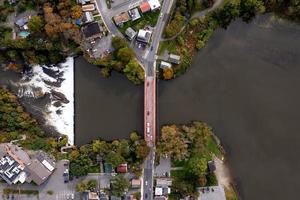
(245,83)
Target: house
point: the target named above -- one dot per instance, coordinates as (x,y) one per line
(22,23)
(87,17)
(212,193)
(145,7)
(134,14)
(121,18)
(88,195)
(122,168)
(211,166)
(135,183)
(12,163)
(164,65)
(159,191)
(83,1)
(154,4)
(103,196)
(174,59)
(88,7)
(130,33)
(163,182)
(144,36)
(17,166)
(92,31)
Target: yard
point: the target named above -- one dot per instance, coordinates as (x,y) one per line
(149,18)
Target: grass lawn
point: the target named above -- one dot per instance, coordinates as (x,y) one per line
(149,18)
(94,169)
(7,35)
(170,46)
(213,147)
(176,163)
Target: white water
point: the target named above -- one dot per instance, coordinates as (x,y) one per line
(63,122)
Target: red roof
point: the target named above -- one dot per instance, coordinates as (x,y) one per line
(122,168)
(145,7)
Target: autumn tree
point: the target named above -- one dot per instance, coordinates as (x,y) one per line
(125,54)
(76,12)
(168,73)
(172,143)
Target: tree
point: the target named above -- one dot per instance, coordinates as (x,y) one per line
(81,186)
(119,185)
(114,159)
(101,147)
(168,73)
(134,137)
(118,43)
(35,24)
(80,166)
(105,72)
(125,54)
(76,12)
(142,150)
(249,8)
(134,72)
(197,165)
(172,143)
(92,184)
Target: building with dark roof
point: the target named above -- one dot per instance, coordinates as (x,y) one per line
(92,31)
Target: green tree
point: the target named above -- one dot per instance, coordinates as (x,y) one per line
(125,54)
(197,165)
(249,8)
(119,185)
(118,43)
(36,24)
(114,159)
(134,72)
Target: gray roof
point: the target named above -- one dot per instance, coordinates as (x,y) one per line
(9,169)
(130,33)
(37,172)
(21,22)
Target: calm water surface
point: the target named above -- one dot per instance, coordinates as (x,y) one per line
(245,83)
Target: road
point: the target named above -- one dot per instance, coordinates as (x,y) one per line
(149,65)
(150,100)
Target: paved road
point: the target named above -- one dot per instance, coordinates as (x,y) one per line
(148,61)
(150,100)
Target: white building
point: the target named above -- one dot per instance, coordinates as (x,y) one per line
(144,36)
(164,65)
(154,4)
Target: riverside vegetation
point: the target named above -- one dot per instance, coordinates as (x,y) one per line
(190,147)
(197,31)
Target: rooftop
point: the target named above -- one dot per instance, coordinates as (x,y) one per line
(37,172)
(145,7)
(130,33)
(88,7)
(134,14)
(92,30)
(154,4)
(144,36)
(121,18)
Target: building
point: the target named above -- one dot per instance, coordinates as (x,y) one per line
(16,166)
(164,65)
(145,7)
(12,163)
(134,14)
(83,1)
(212,193)
(174,59)
(122,168)
(130,33)
(88,7)
(87,17)
(92,31)
(22,23)
(154,4)
(121,18)
(144,36)
(162,191)
(135,183)
(88,195)
(163,182)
